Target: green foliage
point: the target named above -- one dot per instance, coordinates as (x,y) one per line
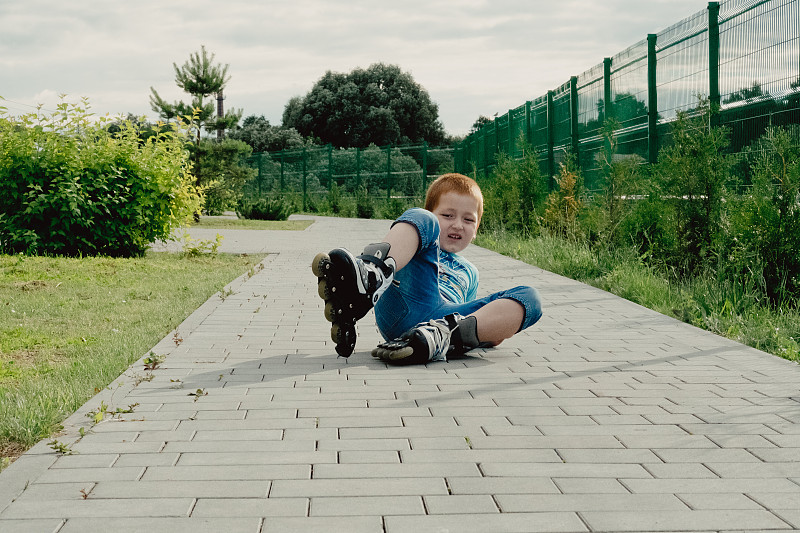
(193,247)
(261,136)
(270,208)
(335,199)
(222,171)
(692,172)
(565,204)
(515,193)
(365,208)
(764,237)
(379,105)
(622,180)
(69,186)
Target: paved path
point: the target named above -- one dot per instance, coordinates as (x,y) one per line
(603,417)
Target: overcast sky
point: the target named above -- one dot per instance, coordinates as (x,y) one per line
(474,57)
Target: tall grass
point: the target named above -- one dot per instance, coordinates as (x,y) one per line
(724,306)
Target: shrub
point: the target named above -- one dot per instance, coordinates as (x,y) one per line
(68,186)
(564,204)
(364,206)
(275,208)
(515,193)
(693,172)
(765,224)
(222,172)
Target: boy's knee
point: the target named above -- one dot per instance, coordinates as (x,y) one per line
(530,300)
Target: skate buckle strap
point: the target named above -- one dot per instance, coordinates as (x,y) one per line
(455,340)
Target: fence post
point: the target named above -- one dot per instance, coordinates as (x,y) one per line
(652,99)
(713,61)
(551,159)
(358,167)
(425,164)
(573,114)
(528,134)
(608,106)
(260,173)
(283,180)
(330,166)
(305,186)
(388,171)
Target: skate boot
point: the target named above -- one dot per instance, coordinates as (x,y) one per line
(351,286)
(436,340)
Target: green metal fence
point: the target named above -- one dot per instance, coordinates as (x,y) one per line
(743,55)
(387,172)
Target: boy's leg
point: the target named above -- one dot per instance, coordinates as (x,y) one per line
(491,320)
(351,285)
(499,320)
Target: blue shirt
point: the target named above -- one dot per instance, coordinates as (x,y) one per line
(458,278)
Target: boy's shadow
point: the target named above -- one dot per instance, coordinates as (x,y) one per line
(297,367)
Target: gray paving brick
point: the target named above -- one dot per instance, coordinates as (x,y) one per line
(32,525)
(227,473)
(179,489)
(101,508)
(358,487)
(480,523)
(256,507)
(460,504)
(699,520)
(173,525)
(521,503)
(367,505)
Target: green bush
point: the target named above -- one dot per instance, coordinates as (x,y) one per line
(764,239)
(222,173)
(68,186)
(275,208)
(693,171)
(365,208)
(514,194)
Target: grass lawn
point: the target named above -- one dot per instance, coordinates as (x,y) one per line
(70,326)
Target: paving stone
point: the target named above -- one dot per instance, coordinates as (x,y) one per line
(366,505)
(700,520)
(173,525)
(31,525)
(256,507)
(480,523)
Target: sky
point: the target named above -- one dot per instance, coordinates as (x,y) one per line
(473,57)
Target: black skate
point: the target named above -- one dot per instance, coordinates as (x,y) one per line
(350,287)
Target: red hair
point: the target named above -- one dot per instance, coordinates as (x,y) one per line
(457,183)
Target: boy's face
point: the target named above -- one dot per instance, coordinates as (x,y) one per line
(458,220)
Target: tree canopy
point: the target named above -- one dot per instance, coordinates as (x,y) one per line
(379,105)
(262,136)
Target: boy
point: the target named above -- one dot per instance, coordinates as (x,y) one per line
(424,293)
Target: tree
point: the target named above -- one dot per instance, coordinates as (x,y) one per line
(480,122)
(257,132)
(379,105)
(200,78)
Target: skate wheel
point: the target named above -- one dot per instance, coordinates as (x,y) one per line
(345,339)
(330,312)
(322,289)
(320,263)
